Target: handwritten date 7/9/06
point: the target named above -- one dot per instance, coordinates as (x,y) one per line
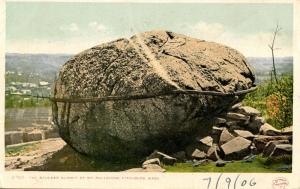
(229,182)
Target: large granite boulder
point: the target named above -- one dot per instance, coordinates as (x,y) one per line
(151,63)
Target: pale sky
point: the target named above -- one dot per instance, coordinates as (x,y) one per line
(51,27)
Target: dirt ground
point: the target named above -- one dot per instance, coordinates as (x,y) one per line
(26,155)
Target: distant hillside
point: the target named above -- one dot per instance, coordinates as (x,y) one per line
(35,63)
(49,64)
(263,66)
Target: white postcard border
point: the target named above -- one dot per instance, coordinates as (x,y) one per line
(18,179)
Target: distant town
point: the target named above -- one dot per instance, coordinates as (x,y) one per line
(36,87)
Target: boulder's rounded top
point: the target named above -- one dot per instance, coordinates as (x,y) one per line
(152,62)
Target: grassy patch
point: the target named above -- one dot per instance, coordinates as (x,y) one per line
(20,149)
(16,101)
(257,166)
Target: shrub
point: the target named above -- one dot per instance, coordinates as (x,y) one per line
(274,100)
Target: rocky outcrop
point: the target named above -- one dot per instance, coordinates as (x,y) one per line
(207,141)
(261,141)
(164,158)
(197,154)
(155,161)
(249,111)
(146,65)
(13,137)
(267,129)
(270,146)
(225,143)
(287,131)
(236,148)
(243,146)
(244,134)
(282,149)
(213,152)
(225,136)
(29,134)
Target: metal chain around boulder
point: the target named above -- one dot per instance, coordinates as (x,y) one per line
(145,96)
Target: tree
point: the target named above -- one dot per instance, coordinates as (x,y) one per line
(272,48)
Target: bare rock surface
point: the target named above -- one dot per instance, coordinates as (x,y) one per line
(148,63)
(204,144)
(217,131)
(236,148)
(287,130)
(244,134)
(197,154)
(13,137)
(225,136)
(269,130)
(200,151)
(237,116)
(164,158)
(208,141)
(151,161)
(282,149)
(270,146)
(236,106)
(200,162)
(212,153)
(219,120)
(247,110)
(44,150)
(261,141)
(29,134)
(220,163)
(33,136)
(255,123)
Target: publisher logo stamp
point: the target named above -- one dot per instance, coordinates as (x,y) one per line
(280,183)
